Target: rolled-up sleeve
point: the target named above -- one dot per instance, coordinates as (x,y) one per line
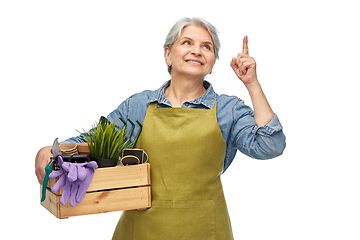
(269,140)
(257,142)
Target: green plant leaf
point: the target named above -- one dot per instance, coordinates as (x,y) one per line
(106,140)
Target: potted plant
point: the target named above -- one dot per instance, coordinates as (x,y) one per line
(106,141)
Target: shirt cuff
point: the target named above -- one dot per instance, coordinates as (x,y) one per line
(273,126)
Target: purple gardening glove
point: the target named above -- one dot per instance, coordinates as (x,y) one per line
(55,174)
(79,176)
(76,178)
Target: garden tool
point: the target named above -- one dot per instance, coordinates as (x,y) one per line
(54,164)
(48,169)
(128,143)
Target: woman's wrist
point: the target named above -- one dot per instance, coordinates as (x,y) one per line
(253,86)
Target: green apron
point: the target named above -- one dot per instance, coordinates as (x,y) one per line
(186,152)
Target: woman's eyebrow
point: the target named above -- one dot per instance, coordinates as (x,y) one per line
(208,42)
(183,38)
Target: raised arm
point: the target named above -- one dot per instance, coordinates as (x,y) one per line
(244,67)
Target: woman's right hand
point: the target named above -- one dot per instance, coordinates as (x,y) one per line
(41,160)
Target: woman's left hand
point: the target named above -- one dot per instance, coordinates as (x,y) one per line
(244,66)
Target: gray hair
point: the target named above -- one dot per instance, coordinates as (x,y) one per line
(175,33)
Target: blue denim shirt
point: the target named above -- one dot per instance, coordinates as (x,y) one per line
(235,119)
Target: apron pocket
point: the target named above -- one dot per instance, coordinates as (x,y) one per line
(176,220)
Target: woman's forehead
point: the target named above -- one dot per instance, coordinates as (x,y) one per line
(196,33)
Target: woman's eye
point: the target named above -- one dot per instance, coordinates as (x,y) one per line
(187,43)
(207,47)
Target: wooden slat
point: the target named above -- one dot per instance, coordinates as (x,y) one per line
(108,201)
(116,177)
(120,177)
(100,202)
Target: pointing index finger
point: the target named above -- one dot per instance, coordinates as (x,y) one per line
(245,45)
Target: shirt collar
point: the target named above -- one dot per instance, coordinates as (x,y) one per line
(207,99)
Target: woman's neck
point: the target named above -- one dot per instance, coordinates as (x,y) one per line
(181,91)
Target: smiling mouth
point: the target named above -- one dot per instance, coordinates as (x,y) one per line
(194,62)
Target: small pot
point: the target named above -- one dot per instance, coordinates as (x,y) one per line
(104,162)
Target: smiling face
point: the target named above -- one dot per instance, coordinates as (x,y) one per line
(192,56)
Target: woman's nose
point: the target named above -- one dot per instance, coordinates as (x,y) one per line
(196,50)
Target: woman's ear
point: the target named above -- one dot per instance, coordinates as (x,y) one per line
(168,56)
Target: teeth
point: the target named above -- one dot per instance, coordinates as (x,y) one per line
(194,62)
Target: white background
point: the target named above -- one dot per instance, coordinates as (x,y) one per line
(64,63)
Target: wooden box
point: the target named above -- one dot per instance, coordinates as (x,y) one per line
(111,189)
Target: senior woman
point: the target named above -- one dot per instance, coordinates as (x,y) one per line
(191,135)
